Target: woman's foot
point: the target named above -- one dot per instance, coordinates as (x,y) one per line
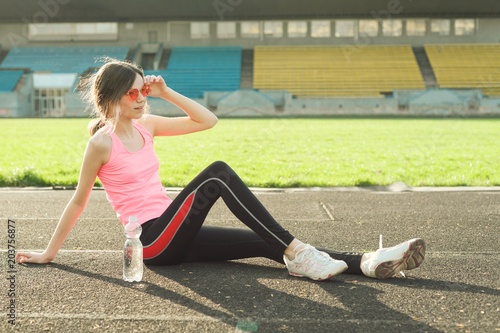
(314,264)
(387,262)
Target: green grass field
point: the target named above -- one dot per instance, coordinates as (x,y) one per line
(278,152)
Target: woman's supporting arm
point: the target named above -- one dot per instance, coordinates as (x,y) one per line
(95,154)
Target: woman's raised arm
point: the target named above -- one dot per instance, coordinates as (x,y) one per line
(198,118)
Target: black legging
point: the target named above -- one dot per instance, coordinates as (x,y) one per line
(179,235)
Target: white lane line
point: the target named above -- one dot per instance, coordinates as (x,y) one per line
(325,208)
(104,316)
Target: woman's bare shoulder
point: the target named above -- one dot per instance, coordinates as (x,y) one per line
(101,141)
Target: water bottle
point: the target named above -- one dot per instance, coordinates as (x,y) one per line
(132,251)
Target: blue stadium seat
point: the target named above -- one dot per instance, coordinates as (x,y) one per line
(61,59)
(9,79)
(193,70)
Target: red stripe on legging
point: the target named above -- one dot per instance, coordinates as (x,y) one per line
(152,250)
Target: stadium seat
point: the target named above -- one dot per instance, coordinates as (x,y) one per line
(466,66)
(336,71)
(194,70)
(9,79)
(61,59)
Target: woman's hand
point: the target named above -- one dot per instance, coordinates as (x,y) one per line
(157,84)
(32,258)
(198,118)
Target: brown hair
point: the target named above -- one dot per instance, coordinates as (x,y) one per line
(104,89)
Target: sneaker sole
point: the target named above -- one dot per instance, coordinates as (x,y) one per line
(412,258)
(321,278)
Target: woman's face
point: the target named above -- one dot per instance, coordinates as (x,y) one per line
(133,103)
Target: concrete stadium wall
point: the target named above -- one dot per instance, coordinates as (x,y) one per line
(428,103)
(9,106)
(14,104)
(18,103)
(250,103)
(433,102)
(177,33)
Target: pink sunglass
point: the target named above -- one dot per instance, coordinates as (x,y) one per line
(134,93)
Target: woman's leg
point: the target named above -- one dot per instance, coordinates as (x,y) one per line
(215,243)
(352,259)
(168,239)
(220,243)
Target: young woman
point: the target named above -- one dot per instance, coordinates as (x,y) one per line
(120,152)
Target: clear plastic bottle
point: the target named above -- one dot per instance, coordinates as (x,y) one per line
(132,251)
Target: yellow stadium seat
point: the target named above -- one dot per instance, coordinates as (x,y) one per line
(336,71)
(466,66)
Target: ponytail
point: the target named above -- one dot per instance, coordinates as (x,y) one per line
(95,125)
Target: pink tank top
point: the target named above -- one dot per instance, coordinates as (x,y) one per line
(132,182)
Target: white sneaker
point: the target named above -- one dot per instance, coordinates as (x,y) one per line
(314,264)
(387,262)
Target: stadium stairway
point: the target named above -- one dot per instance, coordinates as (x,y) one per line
(247,69)
(425,67)
(3,54)
(165,58)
